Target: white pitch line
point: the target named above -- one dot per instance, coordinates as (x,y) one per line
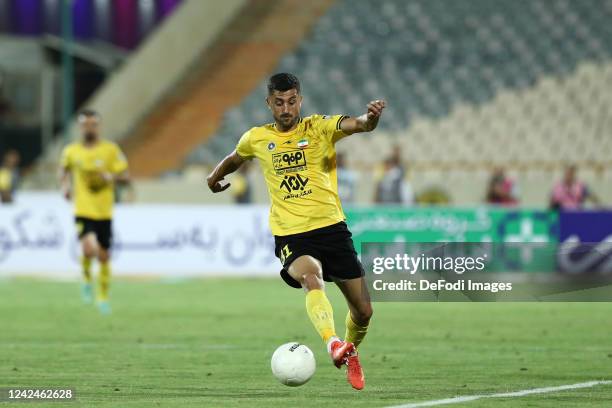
(522,393)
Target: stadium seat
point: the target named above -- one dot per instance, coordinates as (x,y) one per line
(461,79)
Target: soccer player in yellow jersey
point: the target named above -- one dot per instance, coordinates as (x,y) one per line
(298,160)
(89,170)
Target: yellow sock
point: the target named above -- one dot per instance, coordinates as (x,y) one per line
(86,265)
(354,332)
(104,280)
(321,314)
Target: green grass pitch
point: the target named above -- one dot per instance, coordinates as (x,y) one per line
(207,343)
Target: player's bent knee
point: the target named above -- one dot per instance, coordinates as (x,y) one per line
(103,256)
(307,271)
(90,246)
(313,281)
(89,250)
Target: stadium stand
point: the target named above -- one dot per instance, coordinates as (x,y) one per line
(426,57)
(469,84)
(257,37)
(181,39)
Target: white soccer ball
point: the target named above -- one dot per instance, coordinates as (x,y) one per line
(293,364)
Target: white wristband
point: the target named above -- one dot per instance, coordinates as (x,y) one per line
(363,118)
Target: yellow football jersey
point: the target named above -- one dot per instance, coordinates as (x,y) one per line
(5,180)
(300,171)
(93,196)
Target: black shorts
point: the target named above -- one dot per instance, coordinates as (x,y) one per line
(102,228)
(331,245)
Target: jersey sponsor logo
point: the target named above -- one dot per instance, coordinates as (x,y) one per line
(295,186)
(294,183)
(289,162)
(271,146)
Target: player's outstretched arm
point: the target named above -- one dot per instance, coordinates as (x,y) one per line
(366,122)
(228,165)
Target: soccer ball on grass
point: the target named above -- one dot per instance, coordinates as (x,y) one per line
(293,364)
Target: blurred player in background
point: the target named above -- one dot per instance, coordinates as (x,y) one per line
(89,170)
(242,190)
(298,159)
(9,176)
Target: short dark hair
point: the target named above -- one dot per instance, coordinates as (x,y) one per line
(283,82)
(88,113)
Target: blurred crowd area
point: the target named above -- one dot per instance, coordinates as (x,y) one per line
(392,186)
(505,102)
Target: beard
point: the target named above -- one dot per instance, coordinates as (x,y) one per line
(287,120)
(90,137)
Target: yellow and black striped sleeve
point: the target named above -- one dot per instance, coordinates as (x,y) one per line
(330,126)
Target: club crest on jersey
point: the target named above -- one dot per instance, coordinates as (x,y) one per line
(302,144)
(271,146)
